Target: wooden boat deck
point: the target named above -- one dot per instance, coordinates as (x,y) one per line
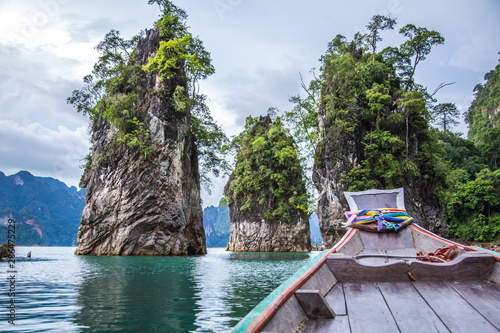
(378,282)
(424,306)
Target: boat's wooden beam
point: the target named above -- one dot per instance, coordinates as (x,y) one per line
(314,304)
(472,266)
(348,269)
(323,280)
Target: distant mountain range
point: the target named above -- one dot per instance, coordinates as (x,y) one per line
(315,233)
(216,225)
(46,211)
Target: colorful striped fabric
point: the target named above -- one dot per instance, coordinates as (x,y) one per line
(385,217)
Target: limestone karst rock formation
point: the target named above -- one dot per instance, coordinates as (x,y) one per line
(265,191)
(137,203)
(373,134)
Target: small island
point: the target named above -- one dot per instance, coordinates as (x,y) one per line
(266,193)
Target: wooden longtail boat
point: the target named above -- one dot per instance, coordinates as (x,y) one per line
(374,282)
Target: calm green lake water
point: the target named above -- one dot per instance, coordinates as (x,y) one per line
(57,291)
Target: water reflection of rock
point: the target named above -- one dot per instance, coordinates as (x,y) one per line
(213,292)
(137,294)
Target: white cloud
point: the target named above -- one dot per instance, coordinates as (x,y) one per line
(43,151)
(217,189)
(475,54)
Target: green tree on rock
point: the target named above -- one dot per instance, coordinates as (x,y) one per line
(412,52)
(484,112)
(445,115)
(373,125)
(267,180)
(118,83)
(378,23)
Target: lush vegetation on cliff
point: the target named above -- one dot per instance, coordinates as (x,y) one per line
(484,112)
(117,88)
(268,177)
(373,109)
(366,111)
(472,204)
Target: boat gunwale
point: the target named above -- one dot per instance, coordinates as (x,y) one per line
(495,255)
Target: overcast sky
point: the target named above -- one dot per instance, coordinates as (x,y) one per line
(258,48)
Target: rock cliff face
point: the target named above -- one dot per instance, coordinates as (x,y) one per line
(266,180)
(484,112)
(254,235)
(332,203)
(138,205)
(336,156)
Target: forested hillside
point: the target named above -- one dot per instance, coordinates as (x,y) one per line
(484,112)
(46,211)
(216,225)
(472,203)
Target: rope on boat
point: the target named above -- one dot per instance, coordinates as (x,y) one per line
(444,254)
(387,218)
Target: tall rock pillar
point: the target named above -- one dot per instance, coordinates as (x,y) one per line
(137,203)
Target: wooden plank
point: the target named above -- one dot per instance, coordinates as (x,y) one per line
(407,252)
(339,324)
(323,280)
(386,241)
(484,297)
(335,298)
(314,304)
(466,267)
(380,257)
(347,269)
(286,319)
(411,312)
(473,266)
(367,310)
(452,309)
(495,274)
(424,242)
(353,246)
